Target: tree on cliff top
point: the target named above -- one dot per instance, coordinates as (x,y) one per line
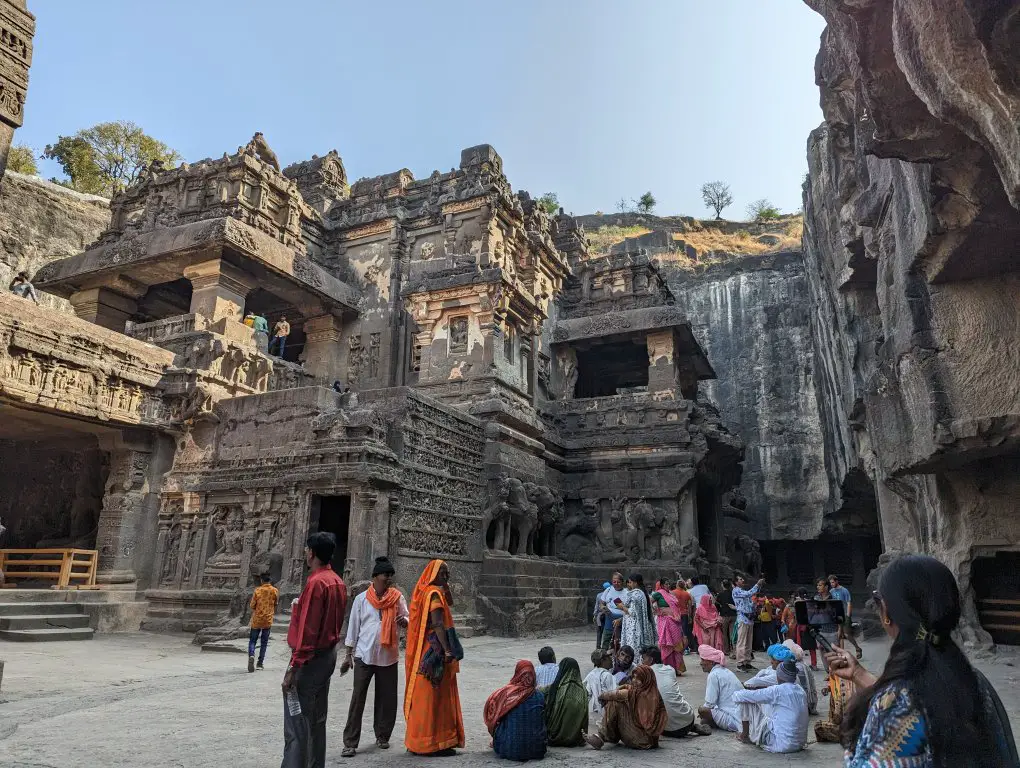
(21,159)
(107,157)
(716,195)
(550,203)
(762,210)
(646,203)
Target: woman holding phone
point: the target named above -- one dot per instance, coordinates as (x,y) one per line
(637,628)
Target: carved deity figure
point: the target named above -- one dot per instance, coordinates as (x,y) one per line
(173,545)
(567,361)
(752,554)
(229,539)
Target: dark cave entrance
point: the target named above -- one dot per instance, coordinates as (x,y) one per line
(996,580)
(612,368)
(332,514)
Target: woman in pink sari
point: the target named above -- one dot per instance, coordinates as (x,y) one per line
(708,624)
(670,631)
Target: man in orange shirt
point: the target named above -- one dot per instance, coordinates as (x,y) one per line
(263,608)
(314,633)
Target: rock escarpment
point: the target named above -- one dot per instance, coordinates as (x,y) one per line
(751,315)
(911,232)
(41,221)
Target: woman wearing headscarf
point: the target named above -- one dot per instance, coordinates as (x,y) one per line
(708,623)
(669,626)
(566,707)
(635,715)
(435,724)
(804,676)
(513,715)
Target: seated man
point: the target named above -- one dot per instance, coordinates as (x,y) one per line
(720,710)
(548,668)
(775,718)
(679,714)
(777,655)
(599,681)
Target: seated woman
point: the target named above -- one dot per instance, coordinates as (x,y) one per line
(566,707)
(635,715)
(623,664)
(514,716)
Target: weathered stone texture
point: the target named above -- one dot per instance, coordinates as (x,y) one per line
(751,315)
(912,268)
(41,221)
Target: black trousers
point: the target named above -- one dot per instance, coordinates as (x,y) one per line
(384,714)
(305,734)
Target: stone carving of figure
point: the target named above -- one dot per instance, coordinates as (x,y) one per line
(579,540)
(524,517)
(258,147)
(550,513)
(355,359)
(568,373)
(644,522)
(229,540)
(189,557)
(496,516)
(173,545)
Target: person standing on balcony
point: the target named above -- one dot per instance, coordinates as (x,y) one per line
(280,333)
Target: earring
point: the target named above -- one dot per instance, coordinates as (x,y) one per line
(887,622)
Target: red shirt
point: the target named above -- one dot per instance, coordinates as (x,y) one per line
(318,617)
(684,598)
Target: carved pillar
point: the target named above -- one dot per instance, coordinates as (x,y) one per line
(361,535)
(323,353)
(661,362)
(191,558)
(218,289)
(104,306)
(688,517)
(126,491)
(18,28)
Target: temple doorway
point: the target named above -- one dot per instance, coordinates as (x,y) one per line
(996,580)
(332,514)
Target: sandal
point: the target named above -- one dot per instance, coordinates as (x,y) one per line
(348,752)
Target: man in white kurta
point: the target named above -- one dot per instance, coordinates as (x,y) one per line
(679,714)
(600,680)
(719,709)
(775,718)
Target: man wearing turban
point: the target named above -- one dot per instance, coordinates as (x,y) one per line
(775,718)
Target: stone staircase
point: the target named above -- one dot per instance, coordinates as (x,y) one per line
(45,621)
(1000,617)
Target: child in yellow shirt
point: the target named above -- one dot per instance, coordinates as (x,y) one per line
(263,608)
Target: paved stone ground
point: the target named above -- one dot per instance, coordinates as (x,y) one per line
(122,701)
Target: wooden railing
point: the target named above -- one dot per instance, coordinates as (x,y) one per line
(69,568)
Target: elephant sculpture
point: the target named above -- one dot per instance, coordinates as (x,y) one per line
(511,518)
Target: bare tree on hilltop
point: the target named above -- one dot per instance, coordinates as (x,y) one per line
(716,195)
(107,157)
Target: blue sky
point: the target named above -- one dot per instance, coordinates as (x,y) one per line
(593,99)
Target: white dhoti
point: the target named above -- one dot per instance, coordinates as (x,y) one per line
(759,720)
(725,720)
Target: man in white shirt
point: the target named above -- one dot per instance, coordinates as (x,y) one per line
(697,590)
(606,606)
(372,650)
(720,710)
(600,680)
(775,718)
(679,714)
(547,669)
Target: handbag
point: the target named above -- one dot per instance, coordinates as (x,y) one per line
(455,645)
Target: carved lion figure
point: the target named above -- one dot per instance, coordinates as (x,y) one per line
(261,149)
(550,513)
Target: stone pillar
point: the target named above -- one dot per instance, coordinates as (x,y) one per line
(688,514)
(360,535)
(18,28)
(323,353)
(104,306)
(126,493)
(661,362)
(218,289)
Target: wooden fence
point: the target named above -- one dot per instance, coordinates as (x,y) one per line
(68,568)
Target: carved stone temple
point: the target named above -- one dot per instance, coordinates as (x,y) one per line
(462,380)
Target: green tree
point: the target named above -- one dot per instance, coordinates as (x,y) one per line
(21,159)
(716,195)
(646,203)
(762,210)
(107,157)
(550,203)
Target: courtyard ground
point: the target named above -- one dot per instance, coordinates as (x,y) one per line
(128,700)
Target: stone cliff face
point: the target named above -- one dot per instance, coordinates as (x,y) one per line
(911,232)
(41,221)
(751,315)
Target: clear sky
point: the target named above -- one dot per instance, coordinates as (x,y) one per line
(592,99)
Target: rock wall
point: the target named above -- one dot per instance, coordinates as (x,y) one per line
(911,226)
(751,316)
(41,222)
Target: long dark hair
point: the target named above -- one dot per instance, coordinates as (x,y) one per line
(922,599)
(638,579)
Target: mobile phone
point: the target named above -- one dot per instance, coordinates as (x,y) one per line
(618,602)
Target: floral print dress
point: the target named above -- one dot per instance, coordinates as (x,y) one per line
(636,629)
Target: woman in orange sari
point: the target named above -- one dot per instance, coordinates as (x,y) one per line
(435,724)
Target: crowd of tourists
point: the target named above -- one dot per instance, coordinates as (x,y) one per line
(631,696)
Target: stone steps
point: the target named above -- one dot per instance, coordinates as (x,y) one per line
(33,608)
(45,621)
(45,635)
(42,621)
